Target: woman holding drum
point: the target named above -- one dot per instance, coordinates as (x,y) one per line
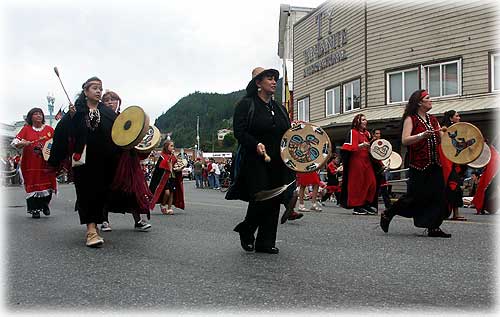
(85,134)
(259,123)
(129,183)
(424,201)
(39,179)
(359,185)
(453,173)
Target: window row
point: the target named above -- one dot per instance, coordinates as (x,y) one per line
(439,79)
(351,97)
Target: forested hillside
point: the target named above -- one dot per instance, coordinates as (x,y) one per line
(215,112)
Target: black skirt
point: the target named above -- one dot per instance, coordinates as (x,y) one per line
(424,201)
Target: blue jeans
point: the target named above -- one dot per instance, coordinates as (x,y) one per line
(216,181)
(199,180)
(211,180)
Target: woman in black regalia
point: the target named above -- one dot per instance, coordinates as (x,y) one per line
(85,134)
(259,123)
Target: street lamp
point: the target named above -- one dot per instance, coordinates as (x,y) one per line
(50,101)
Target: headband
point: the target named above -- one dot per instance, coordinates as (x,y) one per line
(423,94)
(91,81)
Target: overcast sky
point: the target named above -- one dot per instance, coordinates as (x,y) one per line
(152,53)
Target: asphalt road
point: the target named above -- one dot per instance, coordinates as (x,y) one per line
(192,262)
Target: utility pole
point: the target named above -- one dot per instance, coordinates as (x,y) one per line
(198,135)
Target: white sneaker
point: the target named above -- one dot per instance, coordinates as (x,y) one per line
(105,226)
(316,207)
(302,208)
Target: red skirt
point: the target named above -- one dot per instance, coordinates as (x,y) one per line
(305,179)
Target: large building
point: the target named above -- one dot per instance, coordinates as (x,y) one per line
(289,15)
(367,57)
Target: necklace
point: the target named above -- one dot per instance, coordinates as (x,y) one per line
(269,107)
(94,118)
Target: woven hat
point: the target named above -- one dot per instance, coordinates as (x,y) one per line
(259,73)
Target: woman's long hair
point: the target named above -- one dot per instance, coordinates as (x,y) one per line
(29,119)
(413,103)
(165,146)
(81,101)
(356,122)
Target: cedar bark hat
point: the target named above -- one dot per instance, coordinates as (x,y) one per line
(257,74)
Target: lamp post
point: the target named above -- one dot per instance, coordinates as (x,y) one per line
(50,101)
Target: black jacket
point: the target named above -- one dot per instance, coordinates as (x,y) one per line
(254,174)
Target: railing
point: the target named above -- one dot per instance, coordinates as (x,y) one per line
(398,179)
(8,176)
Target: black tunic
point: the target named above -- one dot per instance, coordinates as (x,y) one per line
(267,126)
(93,179)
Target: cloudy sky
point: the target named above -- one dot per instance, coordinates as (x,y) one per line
(152,53)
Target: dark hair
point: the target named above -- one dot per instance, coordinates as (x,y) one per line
(29,119)
(413,104)
(81,100)
(356,122)
(447,118)
(477,173)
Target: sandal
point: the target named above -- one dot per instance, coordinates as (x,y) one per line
(459,218)
(170,212)
(164,210)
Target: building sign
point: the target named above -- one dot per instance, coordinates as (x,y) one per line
(217,154)
(327,51)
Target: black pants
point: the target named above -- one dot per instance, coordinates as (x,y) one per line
(384,191)
(262,216)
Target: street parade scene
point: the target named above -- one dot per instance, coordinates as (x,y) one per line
(354,172)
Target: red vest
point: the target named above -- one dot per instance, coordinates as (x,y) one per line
(425,152)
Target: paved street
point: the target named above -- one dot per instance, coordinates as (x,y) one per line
(192,262)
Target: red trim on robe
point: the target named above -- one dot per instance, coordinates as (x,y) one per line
(489,172)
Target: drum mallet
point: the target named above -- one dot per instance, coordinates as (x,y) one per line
(267,158)
(57,73)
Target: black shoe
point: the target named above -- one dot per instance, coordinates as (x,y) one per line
(35,214)
(384,222)
(246,240)
(141,226)
(359,211)
(270,250)
(46,212)
(289,208)
(370,210)
(295,215)
(438,233)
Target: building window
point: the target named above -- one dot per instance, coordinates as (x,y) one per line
(401,85)
(443,79)
(495,72)
(332,101)
(352,95)
(303,109)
